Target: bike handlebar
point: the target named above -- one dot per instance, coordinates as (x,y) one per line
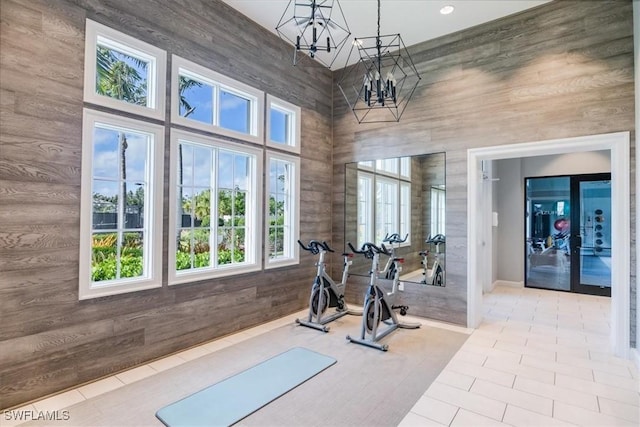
(368,249)
(315,246)
(438,238)
(395,238)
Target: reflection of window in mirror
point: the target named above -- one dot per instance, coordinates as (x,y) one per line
(437,209)
(384,199)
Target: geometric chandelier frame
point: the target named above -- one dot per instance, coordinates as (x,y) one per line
(382,82)
(316,28)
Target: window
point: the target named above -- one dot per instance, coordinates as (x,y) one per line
(437,210)
(206,100)
(384,199)
(282,210)
(215,210)
(283,124)
(387,208)
(365,208)
(121,206)
(123,73)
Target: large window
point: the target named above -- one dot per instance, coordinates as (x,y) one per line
(384,199)
(121,220)
(282,209)
(205,100)
(215,214)
(217,197)
(123,73)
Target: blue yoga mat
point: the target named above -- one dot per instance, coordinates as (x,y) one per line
(236,397)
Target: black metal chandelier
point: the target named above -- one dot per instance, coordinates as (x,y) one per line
(316,28)
(379,86)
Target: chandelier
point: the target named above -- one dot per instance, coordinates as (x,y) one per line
(316,28)
(379,86)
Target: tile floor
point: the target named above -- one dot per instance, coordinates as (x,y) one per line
(540,358)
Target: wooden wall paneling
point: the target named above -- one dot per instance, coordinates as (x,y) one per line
(559,70)
(42,65)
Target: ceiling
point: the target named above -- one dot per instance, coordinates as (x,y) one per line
(414,20)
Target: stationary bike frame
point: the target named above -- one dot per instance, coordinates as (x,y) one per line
(391,265)
(325,292)
(378,304)
(436,278)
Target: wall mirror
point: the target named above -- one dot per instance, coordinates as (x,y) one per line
(403,196)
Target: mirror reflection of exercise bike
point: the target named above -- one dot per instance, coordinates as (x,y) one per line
(433,276)
(325,292)
(391,266)
(378,303)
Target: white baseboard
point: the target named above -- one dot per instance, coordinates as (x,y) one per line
(508,283)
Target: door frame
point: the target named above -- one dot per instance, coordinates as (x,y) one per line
(576,258)
(479,231)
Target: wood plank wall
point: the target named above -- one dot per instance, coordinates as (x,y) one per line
(563,69)
(49,340)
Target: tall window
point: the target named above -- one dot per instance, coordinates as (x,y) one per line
(215,215)
(283,124)
(365,208)
(283,210)
(384,199)
(209,101)
(121,216)
(121,203)
(437,210)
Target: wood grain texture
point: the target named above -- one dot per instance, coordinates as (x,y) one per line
(49,340)
(563,69)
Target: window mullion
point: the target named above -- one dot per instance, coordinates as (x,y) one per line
(214,206)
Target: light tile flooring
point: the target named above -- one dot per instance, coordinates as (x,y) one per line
(540,358)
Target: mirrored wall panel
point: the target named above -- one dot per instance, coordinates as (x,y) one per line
(399,203)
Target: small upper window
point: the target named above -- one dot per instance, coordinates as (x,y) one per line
(123,73)
(283,124)
(206,100)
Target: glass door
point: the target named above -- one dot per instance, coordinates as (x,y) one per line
(568,233)
(591,234)
(547,233)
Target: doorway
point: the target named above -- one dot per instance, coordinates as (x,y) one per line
(479,229)
(568,233)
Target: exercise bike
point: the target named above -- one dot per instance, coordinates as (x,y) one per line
(378,303)
(390,267)
(325,292)
(433,276)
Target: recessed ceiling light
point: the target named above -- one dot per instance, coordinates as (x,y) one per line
(447,10)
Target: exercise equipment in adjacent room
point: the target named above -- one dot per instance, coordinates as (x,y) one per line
(378,303)
(325,292)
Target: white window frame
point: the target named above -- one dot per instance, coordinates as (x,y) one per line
(394,221)
(153,220)
(292,213)
(156,83)
(438,211)
(369,198)
(404,216)
(218,81)
(253,254)
(294,125)
(376,175)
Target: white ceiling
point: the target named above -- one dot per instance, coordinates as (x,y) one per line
(414,20)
